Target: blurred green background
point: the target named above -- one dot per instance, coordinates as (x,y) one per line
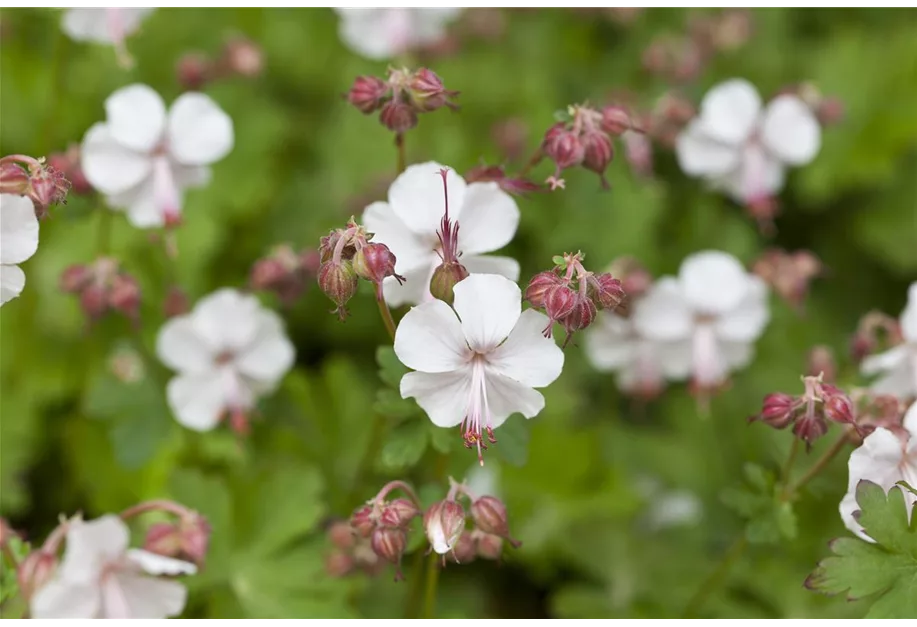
(576,479)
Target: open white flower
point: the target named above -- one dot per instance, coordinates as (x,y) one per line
(104,25)
(18,242)
(898,365)
(885,458)
(143,158)
(487,218)
(714,304)
(737,146)
(643,365)
(384,33)
(228,351)
(100,577)
(478,364)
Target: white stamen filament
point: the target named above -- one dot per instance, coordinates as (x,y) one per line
(477,413)
(708,363)
(165,192)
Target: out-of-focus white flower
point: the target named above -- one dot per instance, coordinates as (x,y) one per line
(18,242)
(478,364)
(143,158)
(228,351)
(714,311)
(105,26)
(742,149)
(898,365)
(487,218)
(642,364)
(387,32)
(885,458)
(100,577)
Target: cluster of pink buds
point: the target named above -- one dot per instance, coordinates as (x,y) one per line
(102,287)
(239,57)
(26,176)
(789,274)
(572,295)
(284,272)
(350,552)
(875,332)
(809,413)
(347,255)
(401,97)
(583,137)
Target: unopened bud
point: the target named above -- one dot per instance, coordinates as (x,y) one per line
(444,279)
(830,111)
(339,283)
(125,295)
(342,535)
(615,120)
(490,547)
(94,300)
(14,179)
(563,146)
(398,116)
(35,571)
(443,524)
(839,408)
(810,427)
(338,564)
(598,153)
(389,544)
(559,302)
(375,262)
(580,317)
(187,539)
(465,549)
(489,514)
(537,290)
(176,302)
(163,539)
(605,291)
(777,410)
(367,93)
(243,57)
(362,521)
(428,92)
(194,70)
(75,278)
(399,513)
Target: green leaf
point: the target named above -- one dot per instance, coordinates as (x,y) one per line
(405,445)
(512,441)
(390,404)
(888,567)
(209,496)
(442,439)
(390,367)
(558,260)
(289,505)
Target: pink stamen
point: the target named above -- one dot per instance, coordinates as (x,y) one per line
(477,421)
(165,192)
(448,230)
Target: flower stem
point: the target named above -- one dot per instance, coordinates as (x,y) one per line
(535,159)
(385,313)
(429,597)
(819,464)
(402,156)
(713,581)
(152,506)
(788,466)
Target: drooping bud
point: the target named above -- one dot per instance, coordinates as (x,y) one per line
(580,317)
(163,539)
(399,513)
(14,179)
(777,411)
(443,523)
(338,564)
(194,70)
(341,535)
(35,571)
(375,262)
(558,303)
(242,57)
(489,546)
(605,291)
(489,514)
(465,549)
(398,116)
(176,302)
(563,147)
(124,296)
(444,279)
(44,184)
(615,120)
(598,153)
(367,93)
(428,92)
(839,408)
(537,290)
(362,521)
(188,539)
(389,544)
(339,283)
(75,278)
(810,427)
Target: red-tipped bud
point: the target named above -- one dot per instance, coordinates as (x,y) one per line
(582,315)
(124,296)
(559,302)
(389,543)
(428,92)
(810,427)
(375,262)
(14,179)
(176,302)
(35,571)
(465,549)
(367,93)
(398,116)
(605,291)
(443,524)
(94,300)
(399,513)
(243,57)
(338,564)
(615,120)
(194,70)
(444,279)
(489,514)
(362,521)
(537,290)
(563,147)
(339,283)
(839,408)
(777,411)
(75,278)
(489,546)
(187,539)
(163,539)
(342,535)
(599,152)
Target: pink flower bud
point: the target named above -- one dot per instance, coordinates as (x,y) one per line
(444,279)
(399,513)
(465,549)
(367,93)
(243,57)
(615,120)
(821,361)
(75,278)
(375,262)
(489,514)
(490,547)
(176,302)
(428,92)
(538,288)
(598,153)
(839,408)
(339,283)
(362,521)
(580,317)
(398,116)
(163,539)
(559,302)
(777,411)
(338,564)
(563,147)
(443,524)
(94,301)
(810,427)
(605,291)
(49,187)
(124,295)
(14,179)
(187,539)
(342,535)
(35,571)
(389,543)
(194,70)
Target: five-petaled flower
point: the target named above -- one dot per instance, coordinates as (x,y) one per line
(100,577)
(886,457)
(18,242)
(478,364)
(407,224)
(383,33)
(143,158)
(110,25)
(714,309)
(228,351)
(740,148)
(898,365)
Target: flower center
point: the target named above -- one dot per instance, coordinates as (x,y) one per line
(477,411)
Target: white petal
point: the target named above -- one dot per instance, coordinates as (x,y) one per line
(65,599)
(18,229)
(746,321)
(270,354)
(191,176)
(418,199)
(429,338)
(132,17)
(848,507)
(758,176)
(411,250)
(729,111)
(180,347)
(12,281)
(364,32)
(428,24)
(891,359)
(909,316)
(155,564)
(140,204)
(699,154)
(736,355)
(492,264)
(674,359)
(910,424)
(437,536)
(86,24)
(713,282)
(442,395)
(489,306)
(110,166)
(506,396)
(135,596)
(663,313)
(900,381)
(609,343)
(136,117)
(790,130)
(527,355)
(489,219)
(199,131)
(197,400)
(90,546)
(416,286)
(227,319)
(876,459)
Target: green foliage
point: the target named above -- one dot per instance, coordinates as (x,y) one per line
(765,504)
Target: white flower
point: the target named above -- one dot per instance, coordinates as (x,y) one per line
(479,367)
(105,26)
(884,458)
(898,365)
(143,158)
(739,147)
(228,351)
(100,577)
(643,365)
(18,242)
(385,33)
(716,305)
(487,218)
